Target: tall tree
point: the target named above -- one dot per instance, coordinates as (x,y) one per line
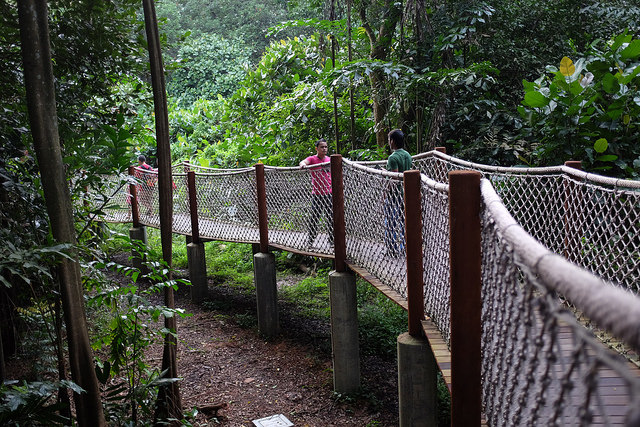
(38,75)
(169,404)
(380,41)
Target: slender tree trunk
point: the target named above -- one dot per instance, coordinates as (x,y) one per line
(169,403)
(352,117)
(380,45)
(335,96)
(38,74)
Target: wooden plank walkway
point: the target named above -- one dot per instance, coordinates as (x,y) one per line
(610,387)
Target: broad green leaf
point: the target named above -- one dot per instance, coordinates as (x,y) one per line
(535,99)
(631,51)
(610,83)
(566,66)
(601,145)
(607,158)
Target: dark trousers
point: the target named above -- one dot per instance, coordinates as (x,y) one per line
(393,227)
(321,206)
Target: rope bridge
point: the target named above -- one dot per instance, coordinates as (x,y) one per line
(560,263)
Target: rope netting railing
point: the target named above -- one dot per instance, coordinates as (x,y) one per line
(227,205)
(299,206)
(435,261)
(591,220)
(115,192)
(374,223)
(540,366)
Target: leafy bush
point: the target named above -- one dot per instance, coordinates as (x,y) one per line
(589,110)
(209,66)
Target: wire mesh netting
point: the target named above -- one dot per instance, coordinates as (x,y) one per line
(540,366)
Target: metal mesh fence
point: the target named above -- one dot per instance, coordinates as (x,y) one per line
(374,223)
(540,366)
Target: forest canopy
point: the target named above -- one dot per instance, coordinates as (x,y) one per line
(527,82)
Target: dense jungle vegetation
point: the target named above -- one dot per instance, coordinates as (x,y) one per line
(508,82)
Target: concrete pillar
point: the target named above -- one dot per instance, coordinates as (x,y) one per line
(264,268)
(344,332)
(417,382)
(138,259)
(197,271)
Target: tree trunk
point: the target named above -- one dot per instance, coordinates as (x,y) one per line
(38,74)
(380,45)
(169,404)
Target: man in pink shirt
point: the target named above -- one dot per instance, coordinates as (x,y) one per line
(321,203)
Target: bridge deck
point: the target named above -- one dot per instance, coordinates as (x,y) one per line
(610,386)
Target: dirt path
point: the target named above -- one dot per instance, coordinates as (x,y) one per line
(224,361)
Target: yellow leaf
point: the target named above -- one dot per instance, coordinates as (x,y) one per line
(626,119)
(566,67)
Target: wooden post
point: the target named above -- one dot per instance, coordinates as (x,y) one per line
(442,150)
(339,232)
(466,301)
(193,206)
(135,207)
(413,235)
(263,220)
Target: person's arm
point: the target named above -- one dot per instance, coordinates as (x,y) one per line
(305,162)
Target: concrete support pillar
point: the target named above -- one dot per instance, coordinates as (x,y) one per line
(264,268)
(344,332)
(140,234)
(197,271)
(417,382)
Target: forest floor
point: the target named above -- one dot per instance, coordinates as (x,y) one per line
(225,363)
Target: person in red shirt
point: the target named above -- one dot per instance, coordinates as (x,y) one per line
(321,202)
(146,174)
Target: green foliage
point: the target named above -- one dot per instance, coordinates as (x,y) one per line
(380,321)
(589,110)
(311,295)
(232,19)
(209,66)
(129,383)
(33,403)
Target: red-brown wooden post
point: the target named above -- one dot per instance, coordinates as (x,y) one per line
(339,228)
(442,150)
(263,220)
(575,164)
(135,207)
(466,302)
(413,227)
(193,206)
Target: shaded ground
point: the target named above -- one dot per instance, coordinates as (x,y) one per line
(224,361)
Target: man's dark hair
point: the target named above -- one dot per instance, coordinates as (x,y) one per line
(397,137)
(142,158)
(319,141)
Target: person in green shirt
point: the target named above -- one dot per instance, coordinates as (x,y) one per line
(399,161)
